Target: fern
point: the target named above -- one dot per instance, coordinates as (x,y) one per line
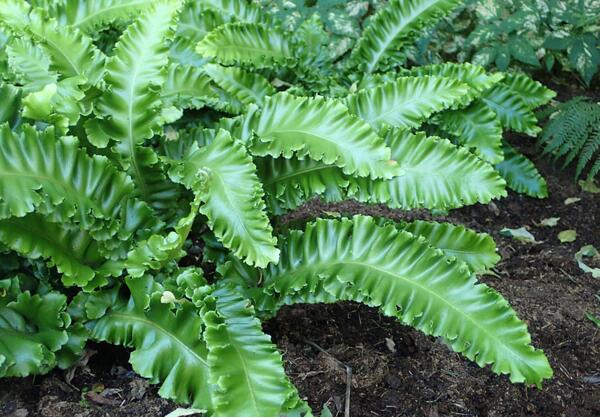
(138,135)
(572,133)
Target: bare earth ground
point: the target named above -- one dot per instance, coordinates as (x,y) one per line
(419,376)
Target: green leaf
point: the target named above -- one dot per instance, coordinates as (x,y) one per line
(32,330)
(593,319)
(520,234)
(31,64)
(512,111)
(550,222)
(567,236)
(475,127)
(244,364)
(437,174)
(590,252)
(75,254)
(584,56)
(41,173)
(246,43)
(521,50)
(520,174)
(131,104)
(239,10)
(477,250)
(224,176)
(247,87)
(91,15)
(471,75)
(324,131)
(187,87)
(532,92)
(354,259)
(168,346)
(10,97)
(407,102)
(395,26)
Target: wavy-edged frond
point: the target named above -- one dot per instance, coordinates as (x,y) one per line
(90,15)
(395,26)
(32,330)
(520,173)
(247,87)
(512,111)
(74,252)
(532,92)
(72,53)
(245,366)
(288,183)
(55,177)
(187,87)
(474,76)
(10,97)
(354,259)
(407,102)
(476,250)
(168,345)
(246,43)
(14,15)
(225,177)
(437,174)
(31,64)
(194,24)
(238,10)
(475,126)
(131,104)
(322,130)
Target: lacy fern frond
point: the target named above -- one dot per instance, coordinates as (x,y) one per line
(573,133)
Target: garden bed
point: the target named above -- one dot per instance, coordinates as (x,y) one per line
(397,371)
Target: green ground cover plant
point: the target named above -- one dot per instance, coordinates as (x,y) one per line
(141,141)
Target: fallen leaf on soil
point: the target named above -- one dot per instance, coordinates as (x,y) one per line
(589,186)
(594,379)
(391,345)
(567,236)
(180,412)
(593,319)
(99,399)
(326,412)
(520,234)
(590,252)
(572,200)
(550,222)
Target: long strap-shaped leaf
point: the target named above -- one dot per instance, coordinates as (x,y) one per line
(512,111)
(246,43)
(476,250)
(354,259)
(131,103)
(168,346)
(406,102)
(74,253)
(437,174)
(244,364)
(532,92)
(474,76)
(30,64)
(247,87)
(322,130)
(233,197)
(520,173)
(395,26)
(90,15)
(476,126)
(40,172)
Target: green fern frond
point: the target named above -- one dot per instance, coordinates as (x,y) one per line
(354,259)
(237,10)
(520,173)
(437,174)
(405,103)
(475,126)
(246,43)
(512,111)
(322,130)
(396,25)
(224,176)
(532,92)
(247,87)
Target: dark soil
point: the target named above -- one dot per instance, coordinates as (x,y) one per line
(396,370)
